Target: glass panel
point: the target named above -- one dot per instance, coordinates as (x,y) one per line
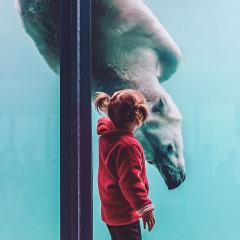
(29,135)
(206,90)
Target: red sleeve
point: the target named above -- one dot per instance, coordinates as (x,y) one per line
(129,167)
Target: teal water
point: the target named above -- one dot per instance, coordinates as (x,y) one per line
(206,90)
(29,136)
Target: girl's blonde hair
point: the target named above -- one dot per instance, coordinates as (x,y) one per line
(123,107)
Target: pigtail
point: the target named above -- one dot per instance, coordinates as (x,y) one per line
(102,101)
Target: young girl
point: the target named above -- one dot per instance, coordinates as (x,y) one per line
(122,181)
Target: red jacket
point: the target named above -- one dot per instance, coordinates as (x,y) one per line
(122,181)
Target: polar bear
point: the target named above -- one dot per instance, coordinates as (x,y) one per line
(131,49)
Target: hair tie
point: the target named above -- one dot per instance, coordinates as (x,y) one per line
(108,98)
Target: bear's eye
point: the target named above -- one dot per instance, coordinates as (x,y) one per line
(169,148)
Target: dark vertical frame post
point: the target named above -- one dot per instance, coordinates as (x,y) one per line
(65,120)
(75,121)
(85,171)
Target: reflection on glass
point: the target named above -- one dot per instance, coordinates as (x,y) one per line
(29,130)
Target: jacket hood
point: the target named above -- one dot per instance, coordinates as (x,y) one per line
(105,127)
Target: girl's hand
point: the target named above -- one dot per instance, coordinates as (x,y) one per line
(148,218)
